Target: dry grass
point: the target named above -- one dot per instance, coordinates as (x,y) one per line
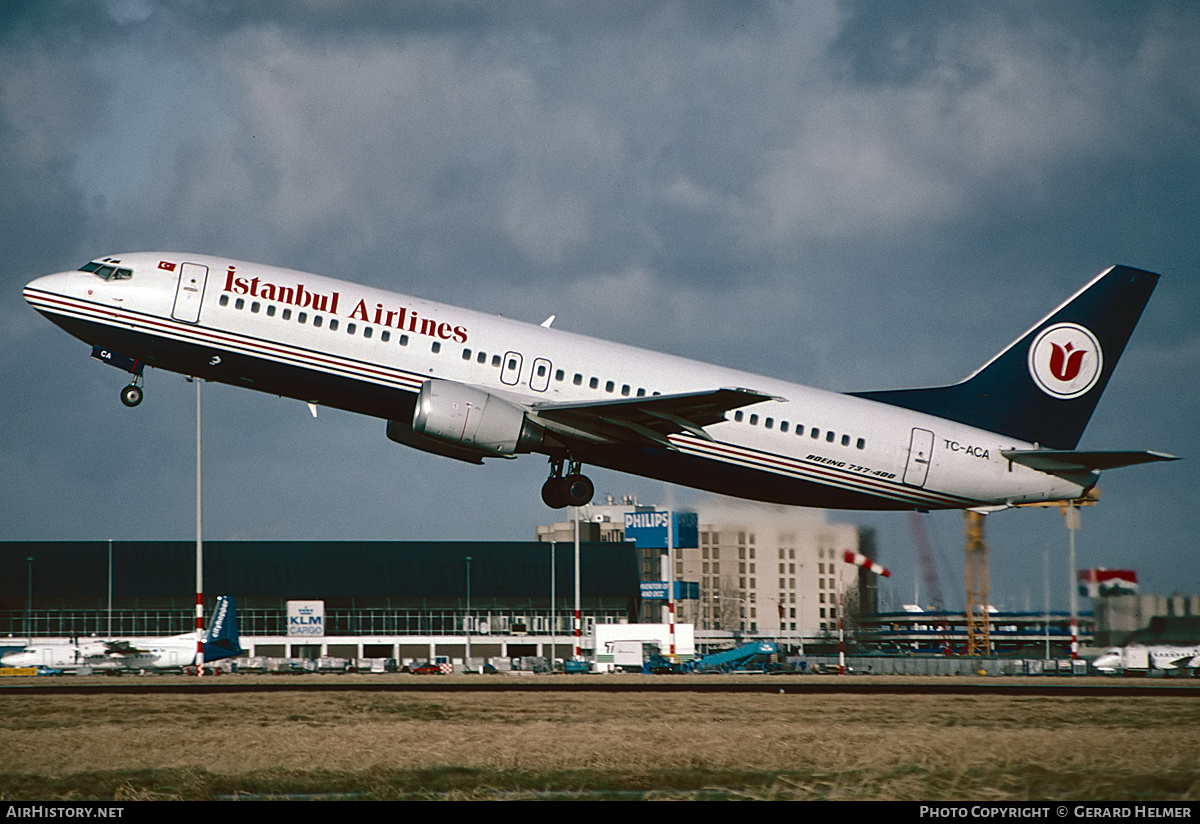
(681,745)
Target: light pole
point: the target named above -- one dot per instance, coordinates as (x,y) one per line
(467,617)
(553,592)
(199,543)
(29,598)
(110,540)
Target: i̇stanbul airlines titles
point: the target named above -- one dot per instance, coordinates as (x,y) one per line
(470,386)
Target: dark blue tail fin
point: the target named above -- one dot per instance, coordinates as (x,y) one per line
(1044,387)
(221,640)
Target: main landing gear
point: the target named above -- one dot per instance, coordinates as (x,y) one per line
(571,489)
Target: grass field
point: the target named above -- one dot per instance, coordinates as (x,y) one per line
(597,745)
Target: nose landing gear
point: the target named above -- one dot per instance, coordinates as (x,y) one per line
(131,395)
(571,489)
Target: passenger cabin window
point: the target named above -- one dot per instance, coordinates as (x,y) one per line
(350,327)
(481,357)
(437,346)
(255,306)
(593,383)
(333,324)
(224,301)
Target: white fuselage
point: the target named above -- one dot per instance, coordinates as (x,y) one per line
(149,653)
(1149,657)
(335,343)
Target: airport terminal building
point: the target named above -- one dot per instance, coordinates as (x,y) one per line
(381,599)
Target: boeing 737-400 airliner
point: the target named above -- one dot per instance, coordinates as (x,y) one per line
(470,386)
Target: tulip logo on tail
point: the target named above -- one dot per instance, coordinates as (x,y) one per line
(1065,360)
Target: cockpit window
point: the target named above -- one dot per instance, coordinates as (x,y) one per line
(107,272)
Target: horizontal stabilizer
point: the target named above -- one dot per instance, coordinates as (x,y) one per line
(1065,462)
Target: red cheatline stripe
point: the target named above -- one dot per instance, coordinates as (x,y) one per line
(244,343)
(818,472)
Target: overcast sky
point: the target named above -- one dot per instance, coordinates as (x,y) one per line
(853,195)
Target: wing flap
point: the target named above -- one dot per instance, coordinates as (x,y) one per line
(648,419)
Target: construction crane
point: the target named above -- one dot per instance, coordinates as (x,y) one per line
(929,574)
(979,639)
(979,635)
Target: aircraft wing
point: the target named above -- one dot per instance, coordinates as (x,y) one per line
(649,419)
(1072,462)
(1184,661)
(122,648)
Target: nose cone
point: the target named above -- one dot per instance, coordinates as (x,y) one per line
(15,659)
(47,284)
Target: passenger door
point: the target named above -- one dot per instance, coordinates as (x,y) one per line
(920,453)
(189,292)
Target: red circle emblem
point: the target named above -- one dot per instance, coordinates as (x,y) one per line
(1065,360)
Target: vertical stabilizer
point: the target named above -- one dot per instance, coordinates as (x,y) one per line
(221,640)
(1044,387)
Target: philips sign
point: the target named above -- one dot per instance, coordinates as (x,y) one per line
(660,590)
(306,618)
(648,530)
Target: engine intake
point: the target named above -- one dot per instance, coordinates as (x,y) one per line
(470,418)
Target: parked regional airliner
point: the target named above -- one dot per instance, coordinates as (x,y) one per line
(1137,657)
(221,640)
(470,386)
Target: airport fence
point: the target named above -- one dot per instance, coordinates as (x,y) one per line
(99,623)
(941,665)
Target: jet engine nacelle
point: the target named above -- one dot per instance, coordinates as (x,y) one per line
(469,418)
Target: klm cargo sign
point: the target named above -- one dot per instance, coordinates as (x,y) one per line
(648,530)
(306,618)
